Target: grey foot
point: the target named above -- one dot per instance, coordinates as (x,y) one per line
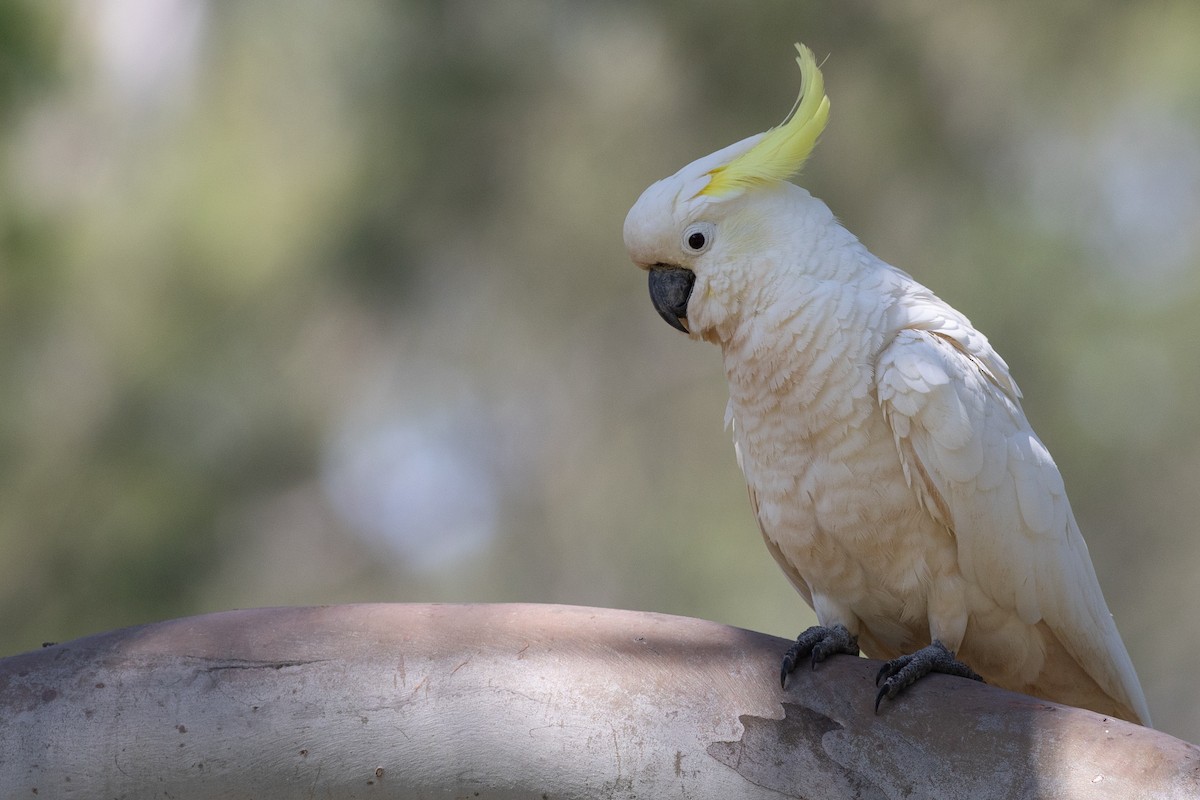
(819,643)
(900,673)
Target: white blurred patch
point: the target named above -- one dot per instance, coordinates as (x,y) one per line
(145,48)
(1130,190)
(415,485)
(413,464)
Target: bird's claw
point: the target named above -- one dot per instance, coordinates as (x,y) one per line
(889,668)
(900,673)
(785,670)
(818,643)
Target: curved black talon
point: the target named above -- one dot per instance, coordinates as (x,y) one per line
(900,673)
(819,643)
(879,697)
(788,666)
(888,669)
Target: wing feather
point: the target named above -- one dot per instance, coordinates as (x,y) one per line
(971,455)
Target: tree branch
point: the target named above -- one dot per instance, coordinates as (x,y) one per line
(519,701)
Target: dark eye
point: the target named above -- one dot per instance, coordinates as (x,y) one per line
(698,237)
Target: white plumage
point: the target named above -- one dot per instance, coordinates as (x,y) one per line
(891,468)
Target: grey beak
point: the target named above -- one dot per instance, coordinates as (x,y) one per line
(670,288)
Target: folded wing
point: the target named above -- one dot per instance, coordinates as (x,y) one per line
(977,465)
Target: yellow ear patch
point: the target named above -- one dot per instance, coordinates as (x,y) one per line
(784,149)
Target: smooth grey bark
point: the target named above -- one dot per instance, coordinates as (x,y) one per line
(529,701)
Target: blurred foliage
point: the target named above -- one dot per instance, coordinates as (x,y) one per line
(306,302)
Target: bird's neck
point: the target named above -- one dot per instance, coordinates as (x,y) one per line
(806,347)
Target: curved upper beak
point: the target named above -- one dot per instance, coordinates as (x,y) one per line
(670,288)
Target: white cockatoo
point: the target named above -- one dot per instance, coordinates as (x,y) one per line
(892,470)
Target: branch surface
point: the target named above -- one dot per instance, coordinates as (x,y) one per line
(530,701)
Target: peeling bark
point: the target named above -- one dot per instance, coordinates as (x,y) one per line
(529,701)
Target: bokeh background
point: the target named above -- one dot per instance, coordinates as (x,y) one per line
(309,302)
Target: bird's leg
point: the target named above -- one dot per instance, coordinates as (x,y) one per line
(902,672)
(819,643)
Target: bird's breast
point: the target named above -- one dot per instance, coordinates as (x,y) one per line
(832,498)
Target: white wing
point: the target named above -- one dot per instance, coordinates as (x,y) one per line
(972,456)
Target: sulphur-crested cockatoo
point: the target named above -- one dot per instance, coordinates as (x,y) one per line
(892,470)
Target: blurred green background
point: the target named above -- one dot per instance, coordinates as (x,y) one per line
(311,302)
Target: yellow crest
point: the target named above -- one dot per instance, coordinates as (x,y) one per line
(783,150)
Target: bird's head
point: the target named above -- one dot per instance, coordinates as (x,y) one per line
(699,231)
